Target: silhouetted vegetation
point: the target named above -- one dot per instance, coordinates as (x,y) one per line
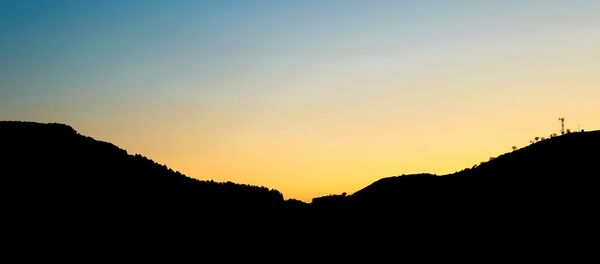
(535,183)
(51,172)
(329,202)
(52,165)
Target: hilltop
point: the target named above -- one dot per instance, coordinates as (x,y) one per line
(51,170)
(552,178)
(52,167)
(67,169)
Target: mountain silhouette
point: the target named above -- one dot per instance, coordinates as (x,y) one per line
(549,185)
(55,162)
(52,167)
(56,180)
(563,168)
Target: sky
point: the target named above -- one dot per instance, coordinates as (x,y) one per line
(307,97)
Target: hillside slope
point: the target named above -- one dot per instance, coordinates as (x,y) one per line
(57,185)
(52,167)
(553,176)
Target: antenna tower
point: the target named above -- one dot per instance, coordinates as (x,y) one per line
(562,125)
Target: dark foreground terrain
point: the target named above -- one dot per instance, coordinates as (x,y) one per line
(56,183)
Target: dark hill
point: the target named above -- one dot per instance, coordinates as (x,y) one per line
(51,167)
(551,180)
(58,185)
(68,195)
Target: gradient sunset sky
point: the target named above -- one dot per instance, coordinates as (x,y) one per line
(307,97)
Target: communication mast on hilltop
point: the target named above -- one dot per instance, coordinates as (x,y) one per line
(562,125)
